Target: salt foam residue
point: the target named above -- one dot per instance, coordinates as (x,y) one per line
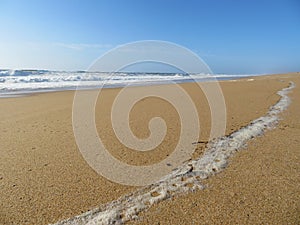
(187,177)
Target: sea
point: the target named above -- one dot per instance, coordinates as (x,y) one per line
(20,82)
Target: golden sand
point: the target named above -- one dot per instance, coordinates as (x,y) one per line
(44,179)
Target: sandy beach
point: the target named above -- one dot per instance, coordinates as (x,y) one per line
(44,178)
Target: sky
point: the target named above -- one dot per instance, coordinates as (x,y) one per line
(233,37)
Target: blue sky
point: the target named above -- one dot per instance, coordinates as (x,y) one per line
(230,36)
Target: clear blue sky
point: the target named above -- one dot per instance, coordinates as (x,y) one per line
(231,36)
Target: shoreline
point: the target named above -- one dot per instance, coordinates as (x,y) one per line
(24,93)
(49,170)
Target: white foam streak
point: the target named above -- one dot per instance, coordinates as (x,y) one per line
(188,176)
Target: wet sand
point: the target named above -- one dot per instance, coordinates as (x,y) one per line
(44,179)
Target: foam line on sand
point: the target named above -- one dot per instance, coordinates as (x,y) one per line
(188,176)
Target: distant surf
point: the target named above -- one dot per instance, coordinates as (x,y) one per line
(18,82)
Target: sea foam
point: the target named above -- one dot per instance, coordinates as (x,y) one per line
(28,81)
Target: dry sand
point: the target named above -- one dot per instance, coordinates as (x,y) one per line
(261,185)
(44,179)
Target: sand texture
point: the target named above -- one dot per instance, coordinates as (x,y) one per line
(44,179)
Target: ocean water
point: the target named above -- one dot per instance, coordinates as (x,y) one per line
(18,82)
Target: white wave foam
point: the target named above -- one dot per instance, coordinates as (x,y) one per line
(187,177)
(34,80)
